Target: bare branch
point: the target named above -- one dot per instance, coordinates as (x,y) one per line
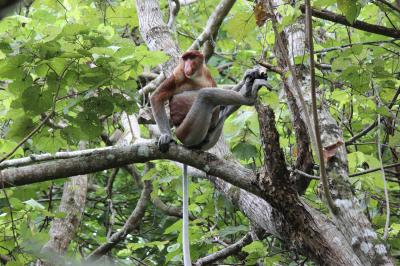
(152,85)
(376,43)
(319,151)
(391,6)
(170,210)
(271,67)
(374,169)
(225,252)
(364,26)
(213,23)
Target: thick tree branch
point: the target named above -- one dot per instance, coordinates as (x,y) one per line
(364,26)
(213,23)
(94,160)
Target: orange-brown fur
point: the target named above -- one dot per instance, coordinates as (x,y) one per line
(179,82)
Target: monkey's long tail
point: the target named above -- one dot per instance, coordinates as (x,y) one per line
(185,222)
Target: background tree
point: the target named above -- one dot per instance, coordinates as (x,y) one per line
(73,72)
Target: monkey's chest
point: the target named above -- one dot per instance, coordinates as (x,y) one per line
(180,104)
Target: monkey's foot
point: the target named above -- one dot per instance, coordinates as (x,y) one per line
(254,80)
(164,141)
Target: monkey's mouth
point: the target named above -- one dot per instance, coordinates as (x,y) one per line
(190,76)
(189,71)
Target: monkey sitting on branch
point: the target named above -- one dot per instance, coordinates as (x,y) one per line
(198,111)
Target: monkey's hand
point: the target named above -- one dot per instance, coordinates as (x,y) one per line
(252,74)
(254,79)
(164,141)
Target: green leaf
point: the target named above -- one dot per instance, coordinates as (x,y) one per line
(99,105)
(124,253)
(20,127)
(232,230)
(244,151)
(173,247)
(36,101)
(16,204)
(240,24)
(49,141)
(150,174)
(350,9)
(34,204)
(7,146)
(255,246)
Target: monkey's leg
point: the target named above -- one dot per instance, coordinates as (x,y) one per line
(194,128)
(214,132)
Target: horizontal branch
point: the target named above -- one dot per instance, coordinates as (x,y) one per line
(374,169)
(94,160)
(364,26)
(341,47)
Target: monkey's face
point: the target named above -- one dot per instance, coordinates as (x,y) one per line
(191,66)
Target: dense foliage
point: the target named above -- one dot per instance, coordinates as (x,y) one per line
(81,63)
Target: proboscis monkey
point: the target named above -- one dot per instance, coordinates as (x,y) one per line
(198,111)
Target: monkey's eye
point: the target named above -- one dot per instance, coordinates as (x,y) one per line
(189,57)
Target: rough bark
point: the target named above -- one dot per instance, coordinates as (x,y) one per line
(156,33)
(63,230)
(351,221)
(296,223)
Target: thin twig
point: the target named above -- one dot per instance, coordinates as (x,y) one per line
(357,24)
(374,124)
(385,189)
(132,222)
(391,6)
(322,169)
(374,169)
(355,43)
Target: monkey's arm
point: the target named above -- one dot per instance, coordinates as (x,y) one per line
(157,100)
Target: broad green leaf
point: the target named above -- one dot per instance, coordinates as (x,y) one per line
(240,20)
(244,151)
(20,127)
(350,9)
(232,230)
(34,204)
(7,146)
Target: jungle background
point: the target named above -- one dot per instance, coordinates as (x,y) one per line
(83,182)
